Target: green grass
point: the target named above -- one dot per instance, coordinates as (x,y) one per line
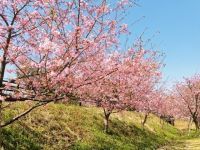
(60,127)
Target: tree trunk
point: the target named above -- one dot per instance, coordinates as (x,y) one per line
(1,136)
(2,70)
(145,119)
(189,124)
(196,123)
(106,121)
(2,73)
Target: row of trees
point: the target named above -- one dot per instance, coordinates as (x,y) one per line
(52,50)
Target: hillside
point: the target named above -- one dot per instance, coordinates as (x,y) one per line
(74,127)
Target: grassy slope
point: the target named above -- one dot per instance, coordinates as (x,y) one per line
(73,127)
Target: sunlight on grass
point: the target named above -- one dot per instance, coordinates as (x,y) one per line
(72,127)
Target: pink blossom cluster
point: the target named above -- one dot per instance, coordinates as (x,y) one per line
(57,48)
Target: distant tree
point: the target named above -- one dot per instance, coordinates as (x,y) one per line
(187,99)
(151,103)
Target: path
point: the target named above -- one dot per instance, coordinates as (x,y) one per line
(192,144)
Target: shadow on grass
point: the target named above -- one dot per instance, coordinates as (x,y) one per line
(21,138)
(122,136)
(79,129)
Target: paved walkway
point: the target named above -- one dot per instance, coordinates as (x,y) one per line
(192,144)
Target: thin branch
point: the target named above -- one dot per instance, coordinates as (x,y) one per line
(4,19)
(23,114)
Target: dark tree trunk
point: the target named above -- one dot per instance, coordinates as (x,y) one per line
(2,73)
(106,121)
(196,123)
(2,70)
(145,119)
(1,136)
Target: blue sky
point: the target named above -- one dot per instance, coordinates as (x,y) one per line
(178,24)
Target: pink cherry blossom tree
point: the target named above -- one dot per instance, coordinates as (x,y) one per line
(151,103)
(133,77)
(187,98)
(150,95)
(49,47)
(17,20)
